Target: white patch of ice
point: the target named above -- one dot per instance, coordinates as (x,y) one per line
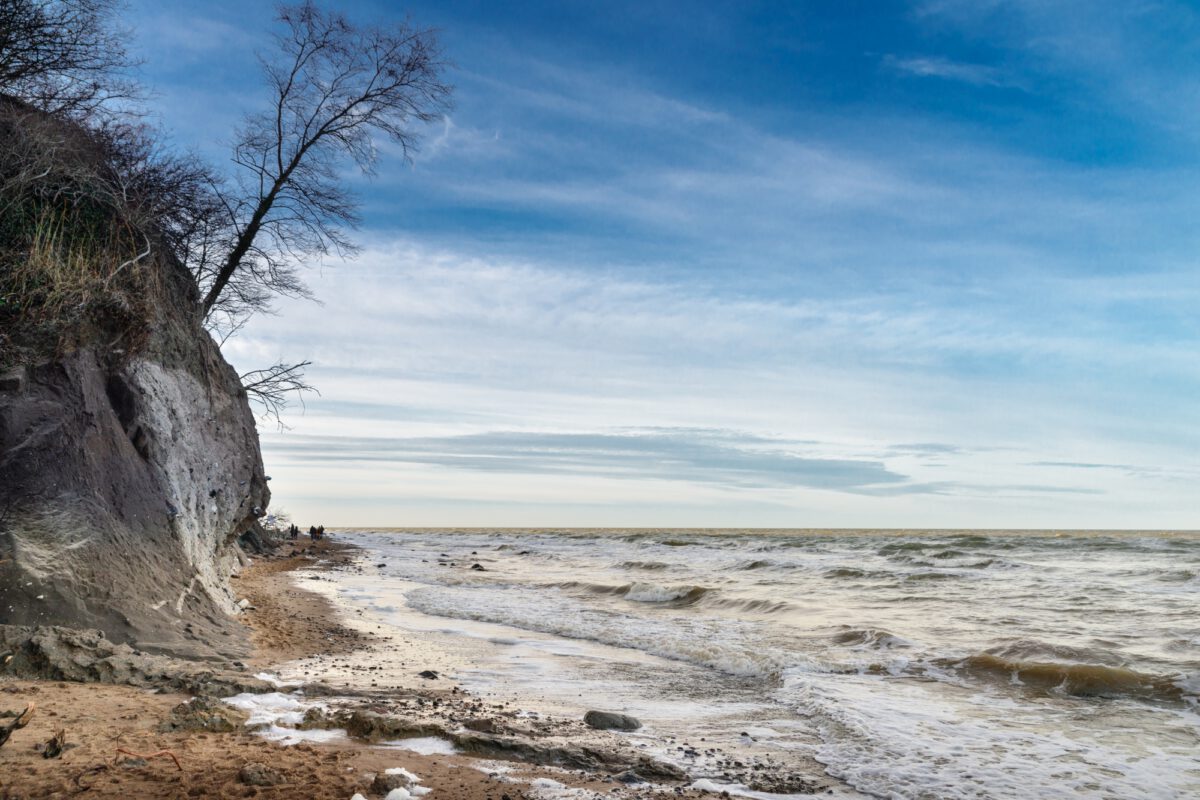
(291,736)
(274,680)
(426,746)
(402,771)
(398,794)
(548,789)
(272,707)
(497,770)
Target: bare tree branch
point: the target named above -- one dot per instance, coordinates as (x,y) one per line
(335,86)
(270,387)
(64,56)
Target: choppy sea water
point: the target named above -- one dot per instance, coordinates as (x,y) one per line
(948,664)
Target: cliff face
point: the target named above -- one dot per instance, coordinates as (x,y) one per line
(125,481)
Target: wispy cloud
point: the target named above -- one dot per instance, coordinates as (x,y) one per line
(945,69)
(650,454)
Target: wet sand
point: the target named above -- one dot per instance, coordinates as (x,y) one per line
(286,622)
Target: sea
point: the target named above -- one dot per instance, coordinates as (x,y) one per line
(894,664)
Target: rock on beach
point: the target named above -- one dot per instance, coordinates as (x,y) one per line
(609,721)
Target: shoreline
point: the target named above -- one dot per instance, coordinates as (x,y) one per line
(114,731)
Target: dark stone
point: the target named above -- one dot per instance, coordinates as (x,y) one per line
(204,714)
(13,380)
(255,774)
(609,721)
(384,783)
(478,568)
(630,777)
(481,725)
(316,719)
(428,674)
(372,727)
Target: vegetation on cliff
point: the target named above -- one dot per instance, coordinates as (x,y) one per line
(93,209)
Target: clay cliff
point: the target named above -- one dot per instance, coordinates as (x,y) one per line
(129,468)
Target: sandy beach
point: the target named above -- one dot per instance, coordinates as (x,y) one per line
(119,743)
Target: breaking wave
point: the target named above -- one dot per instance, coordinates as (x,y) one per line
(641,592)
(1076,679)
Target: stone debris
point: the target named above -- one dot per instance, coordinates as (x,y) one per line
(72,654)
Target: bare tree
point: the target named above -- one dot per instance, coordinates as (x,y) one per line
(63,56)
(335,87)
(270,387)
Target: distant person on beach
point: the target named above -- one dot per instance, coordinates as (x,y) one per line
(320,531)
(312,532)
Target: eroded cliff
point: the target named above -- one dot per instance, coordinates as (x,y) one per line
(124,484)
(129,459)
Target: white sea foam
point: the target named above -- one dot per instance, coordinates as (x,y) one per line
(707,642)
(905,739)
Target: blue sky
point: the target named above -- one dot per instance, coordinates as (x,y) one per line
(911,264)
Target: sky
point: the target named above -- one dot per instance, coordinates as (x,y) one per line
(927,264)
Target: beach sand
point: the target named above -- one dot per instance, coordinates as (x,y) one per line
(102,721)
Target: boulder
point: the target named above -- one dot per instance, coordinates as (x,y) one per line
(255,774)
(609,721)
(204,714)
(372,727)
(385,783)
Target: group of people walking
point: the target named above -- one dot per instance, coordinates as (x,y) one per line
(315,532)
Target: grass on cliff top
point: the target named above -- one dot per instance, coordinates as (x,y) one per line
(69,273)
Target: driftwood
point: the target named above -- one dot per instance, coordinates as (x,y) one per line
(97,769)
(54,747)
(18,723)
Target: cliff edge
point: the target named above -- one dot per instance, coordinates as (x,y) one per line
(129,458)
